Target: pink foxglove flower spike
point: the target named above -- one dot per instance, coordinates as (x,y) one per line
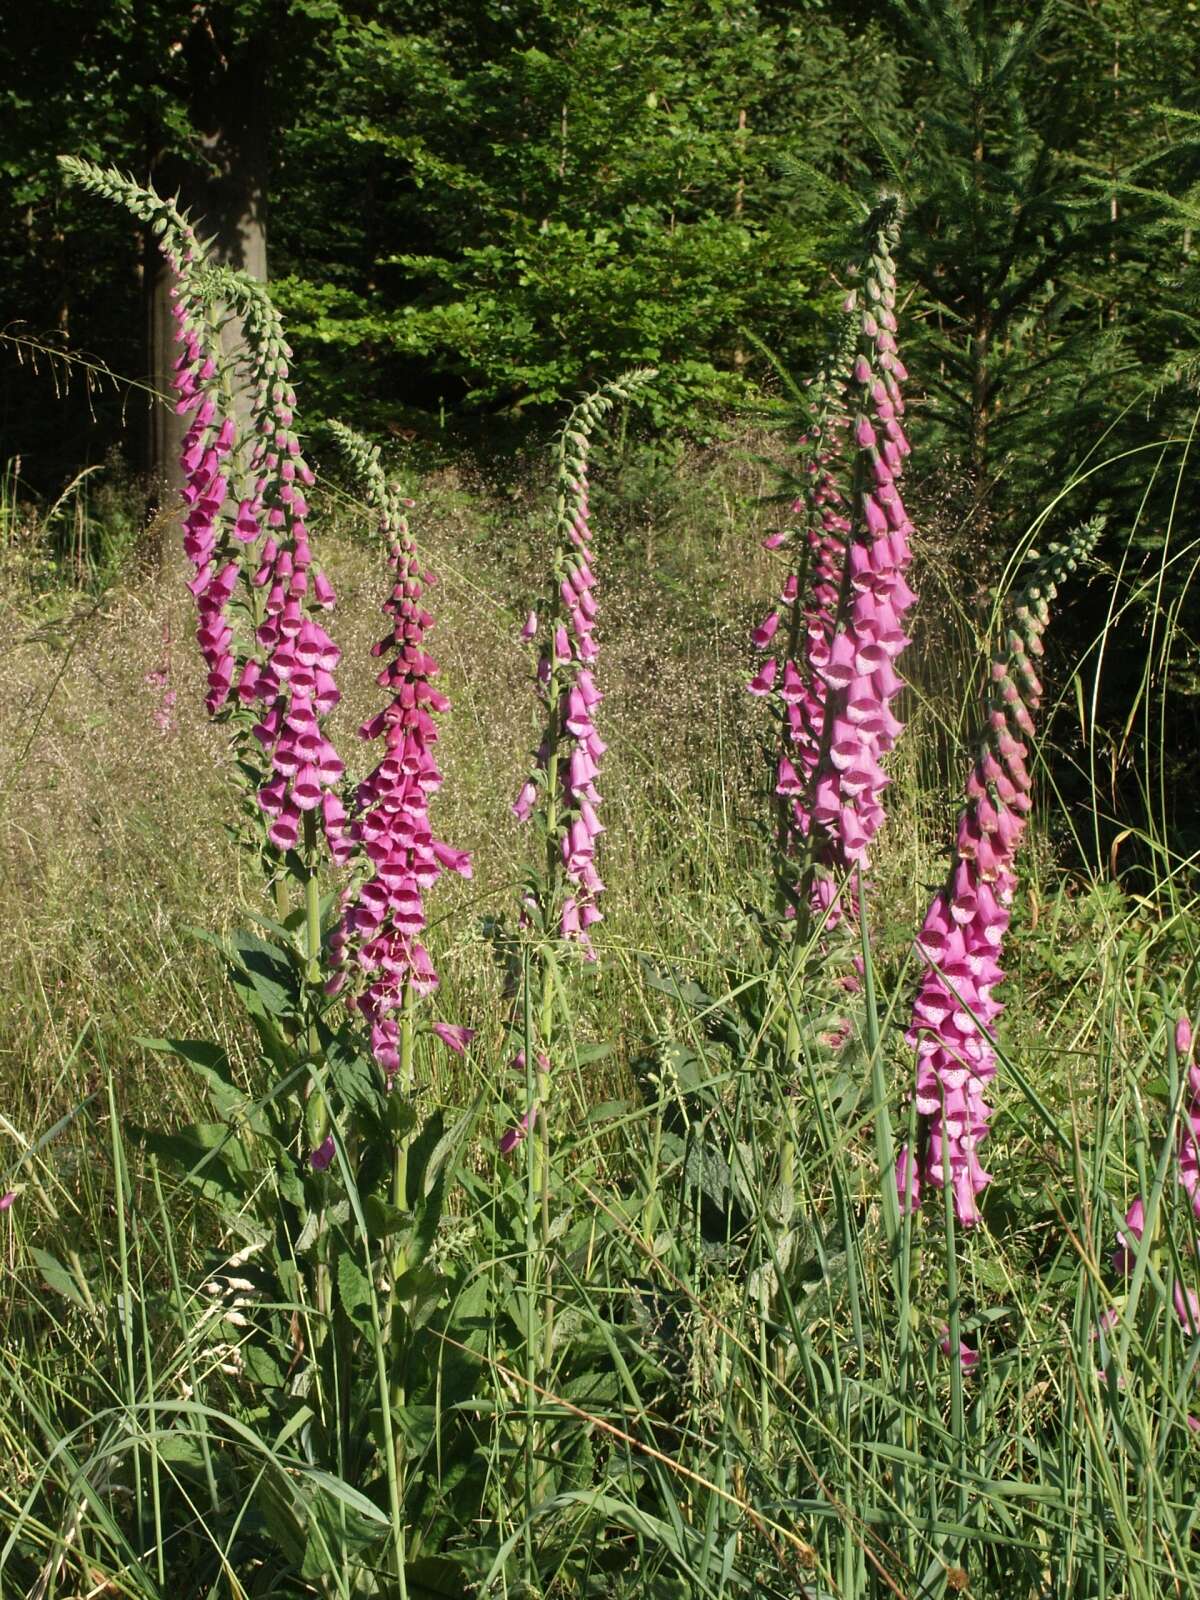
(566,766)
(562,898)
(256,586)
(833,678)
(960,941)
(380,934)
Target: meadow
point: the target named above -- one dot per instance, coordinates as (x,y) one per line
(595,1272)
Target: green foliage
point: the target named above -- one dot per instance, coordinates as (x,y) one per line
(564,191)
(1029,328)
(335,1271)
(1007,244)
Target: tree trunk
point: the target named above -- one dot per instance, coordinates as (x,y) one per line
(226,200)
(981,396)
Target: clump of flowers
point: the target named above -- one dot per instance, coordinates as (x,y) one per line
(257,590)
(383,919)
(290,675)
(842,606)
(961,938)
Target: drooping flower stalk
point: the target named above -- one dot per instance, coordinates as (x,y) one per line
(383,919)
(208,454)
(845,601)
(961,938)
(291,674)
(256,587)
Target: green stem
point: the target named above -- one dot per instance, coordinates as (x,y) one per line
(311,885)
(954,1336)
(402,1085)
(545,1030)
(531,1253)
(390,1448)
(121,1180)
(312,910)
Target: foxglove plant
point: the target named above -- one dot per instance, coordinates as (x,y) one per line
(561,785)
(560,901)
(961,938)
(349,1301)
(257,589)
(560,897)
(833,684)
(383,918)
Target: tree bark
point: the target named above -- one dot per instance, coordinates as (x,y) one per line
(224,191)
(981,396)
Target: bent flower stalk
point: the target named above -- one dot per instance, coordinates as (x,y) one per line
(961,938)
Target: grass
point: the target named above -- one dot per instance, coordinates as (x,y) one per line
(744,1387)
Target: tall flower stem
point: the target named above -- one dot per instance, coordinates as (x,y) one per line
(310,880)
(402,1085)
(559,901)
(955,1346)
(532,1210)
(392,1446)
(542,1148)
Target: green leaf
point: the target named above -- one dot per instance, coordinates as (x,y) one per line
(435,1578)
(210,1063)
(608,1110)
(265,975)
(428,1216)
(355,1073)
(261,1366)
(420,1291)
(57,1277)
(384,1219)
(353,1290)
(283,1518)
(345,1494)
(208,1156)
(183,1450)
(587,1054)
(679,988)
(401,1116)
(432,1150)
